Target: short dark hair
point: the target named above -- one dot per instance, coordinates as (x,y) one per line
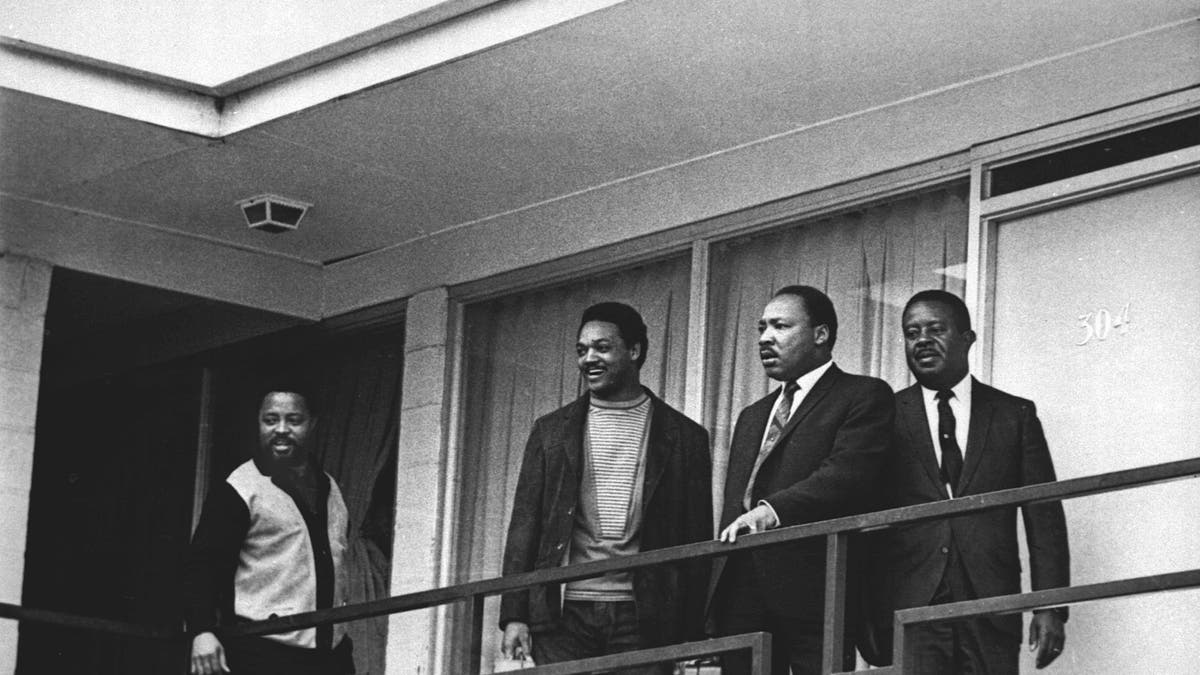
(818,305)
(627,320)
(310,400)
(958,308)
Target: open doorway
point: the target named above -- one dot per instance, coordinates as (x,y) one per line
(146,397)
(114,461)
(354,380)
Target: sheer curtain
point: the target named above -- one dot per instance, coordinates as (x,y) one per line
(356,439)
(519,361)
(869,262)
(520,364)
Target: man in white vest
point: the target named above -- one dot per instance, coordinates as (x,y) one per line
(270,542)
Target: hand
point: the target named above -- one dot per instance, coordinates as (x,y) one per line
(208,656)
(1046,635)
(757,519)
(516,644)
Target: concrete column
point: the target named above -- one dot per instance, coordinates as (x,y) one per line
(24,291)
(423,439)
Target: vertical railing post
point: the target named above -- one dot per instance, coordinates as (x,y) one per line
(899,636)
(760,655)
(833,658)
(184,643)
(474,620)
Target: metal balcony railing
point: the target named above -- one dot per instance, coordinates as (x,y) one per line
(836,532)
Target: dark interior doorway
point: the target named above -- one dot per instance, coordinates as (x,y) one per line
(114,465)
(135,380)
(110,514)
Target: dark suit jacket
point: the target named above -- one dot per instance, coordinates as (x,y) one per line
(1005,449)
(827,463)
(676,507)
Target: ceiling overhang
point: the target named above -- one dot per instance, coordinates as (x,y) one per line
(444,33)
(519,132)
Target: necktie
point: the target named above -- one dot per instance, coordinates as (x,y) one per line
(952,459)
(783,410)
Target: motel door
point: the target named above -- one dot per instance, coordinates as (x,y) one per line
(1097,319)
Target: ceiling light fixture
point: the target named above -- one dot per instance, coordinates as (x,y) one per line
(272,213)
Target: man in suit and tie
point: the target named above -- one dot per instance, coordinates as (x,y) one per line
(615,472)
(955,436)
(811,450)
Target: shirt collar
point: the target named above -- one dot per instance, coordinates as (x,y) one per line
(619,405)
(808,380)
(962,392)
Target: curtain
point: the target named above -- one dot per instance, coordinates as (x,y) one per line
(520,364)
(356,439)
(868,262)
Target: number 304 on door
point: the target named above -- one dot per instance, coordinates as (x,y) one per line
(1101,323)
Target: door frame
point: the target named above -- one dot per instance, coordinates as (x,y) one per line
(987,213)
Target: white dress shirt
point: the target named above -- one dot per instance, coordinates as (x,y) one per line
(805,383)
(960,405)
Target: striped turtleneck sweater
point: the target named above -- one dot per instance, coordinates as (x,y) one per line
(608,521)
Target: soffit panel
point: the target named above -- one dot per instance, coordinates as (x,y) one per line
(634,88)
(207,42)
(352,204)
(47,145)
(644,85)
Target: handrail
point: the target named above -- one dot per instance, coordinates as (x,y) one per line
(1018,602)
(1064,489)
(836,530)
(68,620)
(1050,597)
(1022,602)
(759,645)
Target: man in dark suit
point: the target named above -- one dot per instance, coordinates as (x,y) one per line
(811,450)
(955,436)
(611,474)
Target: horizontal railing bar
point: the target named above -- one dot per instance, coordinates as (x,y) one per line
(1051,597)
(66,620)
(1030,494)
(643,657)
(1065,489)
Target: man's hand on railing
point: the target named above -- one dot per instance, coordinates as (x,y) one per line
(517,643)
(1046,635)
(208,655)
(757,519)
